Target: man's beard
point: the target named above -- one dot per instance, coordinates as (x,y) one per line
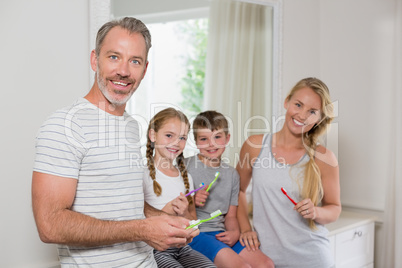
(115,101)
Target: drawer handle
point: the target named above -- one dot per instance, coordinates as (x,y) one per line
(358,233)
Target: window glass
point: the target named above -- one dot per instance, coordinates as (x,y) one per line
(175,74)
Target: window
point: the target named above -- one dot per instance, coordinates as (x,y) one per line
(176,71)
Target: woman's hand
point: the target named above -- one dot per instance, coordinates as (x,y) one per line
(250,240)
(306,208)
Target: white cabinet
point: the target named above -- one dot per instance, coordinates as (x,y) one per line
(352,240)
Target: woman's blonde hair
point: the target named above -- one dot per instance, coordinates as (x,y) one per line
(155,124)
(312,185)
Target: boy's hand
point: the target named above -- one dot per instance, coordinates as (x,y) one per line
(180,205)
(201,197)
(229,237)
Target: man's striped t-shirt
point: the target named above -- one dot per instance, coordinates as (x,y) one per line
(102,152)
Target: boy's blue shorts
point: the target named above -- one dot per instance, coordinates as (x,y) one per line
(207,244)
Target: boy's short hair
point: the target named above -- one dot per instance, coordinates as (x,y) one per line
(211,120)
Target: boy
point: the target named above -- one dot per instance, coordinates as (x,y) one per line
(219,237)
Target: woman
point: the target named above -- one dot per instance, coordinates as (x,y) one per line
(292,235)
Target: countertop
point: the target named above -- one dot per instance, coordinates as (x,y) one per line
(348,220)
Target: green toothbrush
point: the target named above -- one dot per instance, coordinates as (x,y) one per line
(216,176)
(195,223)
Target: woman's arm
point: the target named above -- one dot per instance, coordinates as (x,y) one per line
(248,154)
(331,204)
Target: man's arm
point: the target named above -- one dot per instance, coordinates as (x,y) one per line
(150,211)
(52,198)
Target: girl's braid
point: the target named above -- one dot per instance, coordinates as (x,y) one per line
(151,167)
(183,171)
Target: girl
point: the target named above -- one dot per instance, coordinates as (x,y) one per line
(165,182)
(308,171)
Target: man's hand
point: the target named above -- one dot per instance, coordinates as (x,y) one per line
(163,232)
(193,232)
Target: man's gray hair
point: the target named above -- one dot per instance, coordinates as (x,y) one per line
(133,25)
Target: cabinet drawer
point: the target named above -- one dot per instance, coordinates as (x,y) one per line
(355,247)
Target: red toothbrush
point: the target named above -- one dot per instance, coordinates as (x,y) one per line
(285,193)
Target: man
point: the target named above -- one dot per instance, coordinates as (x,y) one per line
(87,182)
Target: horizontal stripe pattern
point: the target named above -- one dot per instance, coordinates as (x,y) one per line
(102,152)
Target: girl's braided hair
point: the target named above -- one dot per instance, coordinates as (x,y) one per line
(155,124)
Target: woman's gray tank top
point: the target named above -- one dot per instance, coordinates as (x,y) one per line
(284,234)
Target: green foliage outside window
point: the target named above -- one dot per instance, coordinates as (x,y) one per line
(192,83)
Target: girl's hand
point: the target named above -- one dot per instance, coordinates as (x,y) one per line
(201,197)
(250,240)
(180,205)
(306,208)
(229,237)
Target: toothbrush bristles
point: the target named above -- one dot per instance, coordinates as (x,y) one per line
(216,213)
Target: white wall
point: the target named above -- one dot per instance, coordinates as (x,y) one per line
(44,65)
(356,57)
(122,8)
(351,46)
(301,44)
